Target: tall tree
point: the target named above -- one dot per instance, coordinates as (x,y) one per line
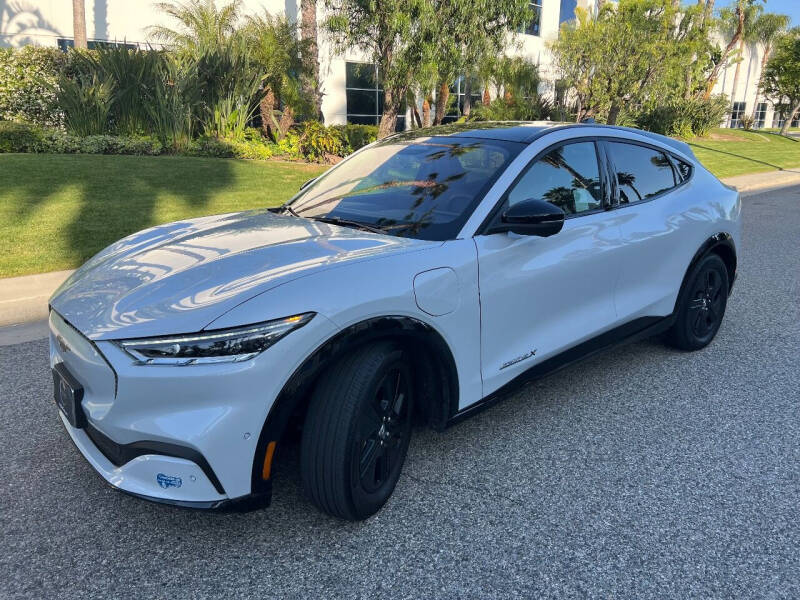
(201,25)
(741,23)
(467,30)
(79,24)
(636,51)
(284,62)
(768,29)
(781,79)
(308,33)
(395,37)
(738,19)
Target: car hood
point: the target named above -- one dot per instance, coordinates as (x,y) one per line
(179,277)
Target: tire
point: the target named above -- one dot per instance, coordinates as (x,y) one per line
(357,431)
(701,305)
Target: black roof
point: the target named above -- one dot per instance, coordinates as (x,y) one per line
(525,132)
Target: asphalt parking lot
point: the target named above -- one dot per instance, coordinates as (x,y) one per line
(643,472)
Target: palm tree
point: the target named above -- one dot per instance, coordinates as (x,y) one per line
(742,22)
(308,33)
(202,26)
(79,23)
(768,29)
(734,21)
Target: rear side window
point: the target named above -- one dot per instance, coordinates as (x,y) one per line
(641,172)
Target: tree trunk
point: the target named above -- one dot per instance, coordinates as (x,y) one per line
(790,117)
(487,97)
(286,121)
(417,118)
(736,74)
(266,109)
(308,32)
(613,113)
(467,98)
(389,117)
(708,10)
(426,113)
(714,75)
(441,102)
(79,23)
(764,61)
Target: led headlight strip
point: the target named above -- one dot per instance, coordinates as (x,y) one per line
(216,346)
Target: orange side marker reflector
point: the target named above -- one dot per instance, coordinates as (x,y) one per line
(265,472)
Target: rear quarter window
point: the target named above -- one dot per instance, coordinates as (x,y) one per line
(641,172)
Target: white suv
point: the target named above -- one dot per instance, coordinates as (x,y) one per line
(421,278)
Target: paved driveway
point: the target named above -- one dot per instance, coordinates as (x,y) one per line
(644,472)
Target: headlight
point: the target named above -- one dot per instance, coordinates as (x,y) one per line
(220,346)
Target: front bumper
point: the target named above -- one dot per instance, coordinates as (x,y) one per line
(179,435)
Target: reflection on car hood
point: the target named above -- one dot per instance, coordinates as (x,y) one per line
(177,278)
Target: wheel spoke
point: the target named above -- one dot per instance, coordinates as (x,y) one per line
(697,323)
(369,455)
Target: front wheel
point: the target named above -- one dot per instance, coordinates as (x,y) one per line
(701,305)
(357,432)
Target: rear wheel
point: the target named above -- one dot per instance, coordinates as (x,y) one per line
(701,305)
(357,432)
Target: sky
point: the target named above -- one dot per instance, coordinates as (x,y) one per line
(784,7)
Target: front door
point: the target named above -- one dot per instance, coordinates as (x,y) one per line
(541,295)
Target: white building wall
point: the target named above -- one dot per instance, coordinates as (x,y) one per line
(43,22)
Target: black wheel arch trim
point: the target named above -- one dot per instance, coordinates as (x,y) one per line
(721,241)
(298,387)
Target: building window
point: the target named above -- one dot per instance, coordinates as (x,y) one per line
(365,96)
(779,118)
(736,114)
(567,10)
(65,44)
(532,28)
(761,115)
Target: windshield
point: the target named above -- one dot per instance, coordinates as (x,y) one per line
(422,188)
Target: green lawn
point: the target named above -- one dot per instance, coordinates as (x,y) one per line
(58,210)
(729,152)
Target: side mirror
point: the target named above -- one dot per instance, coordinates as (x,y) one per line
(531,217)
(308,183)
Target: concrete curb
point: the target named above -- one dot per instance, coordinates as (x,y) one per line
(24,299)
(764,181)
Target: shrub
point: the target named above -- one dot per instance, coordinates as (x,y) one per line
(19,137)
(28,84)
(535,108)
(24,137)
(356,136)
(684,118)
(748,122)
(318,142)
(86,104)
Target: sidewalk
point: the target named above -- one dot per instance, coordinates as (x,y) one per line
(24,299)
(764,181)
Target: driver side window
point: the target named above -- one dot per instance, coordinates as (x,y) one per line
(567,176)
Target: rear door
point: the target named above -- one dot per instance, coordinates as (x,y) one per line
(657,221)
(540,296)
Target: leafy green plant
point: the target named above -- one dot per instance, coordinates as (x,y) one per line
(356,136)
(134,73)
(19,137)
(318,142)
(684,118)
(86,103)
(513,108)
(29,82)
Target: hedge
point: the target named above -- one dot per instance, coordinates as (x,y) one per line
(28,82)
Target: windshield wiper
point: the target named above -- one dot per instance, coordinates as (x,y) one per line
(349,223)
(289,209)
